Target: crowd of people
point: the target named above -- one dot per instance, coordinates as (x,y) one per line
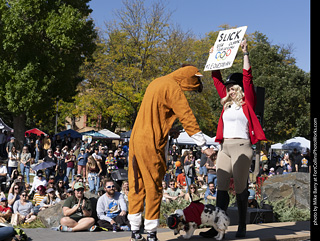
(285,163)
(85,167)
(77,164)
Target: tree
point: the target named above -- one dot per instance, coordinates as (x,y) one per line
(137,48)
(287,100)
(42,45)
(142,45)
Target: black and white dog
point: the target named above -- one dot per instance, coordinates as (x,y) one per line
(195,214)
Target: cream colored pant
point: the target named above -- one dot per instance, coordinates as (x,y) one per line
(234,160)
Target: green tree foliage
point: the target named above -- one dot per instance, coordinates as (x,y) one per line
(132,51)
(141,45)
(42,45)
(287,99)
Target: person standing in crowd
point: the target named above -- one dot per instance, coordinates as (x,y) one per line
(112,209)
(50,158)
(238,128)
(286,162)
(302,163)
(46,144)
(58,154)
(189,168)
(294,156)
(2,143)
(163,102)
(13,157)
(111,163)
(70,161)
(82,161)
(10,144)
(93,171)
(77,212)
(37,149)
(212,168)
(25,163)
(174,153)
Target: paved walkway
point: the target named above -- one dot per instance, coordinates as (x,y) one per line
(255,232)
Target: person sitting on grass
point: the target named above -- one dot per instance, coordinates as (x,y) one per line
(112,209)
(77,211)
(50,199)
(37,181)
(173,193)
(210,193)
(38,197)
(193,194)
(5,211)
(24,209)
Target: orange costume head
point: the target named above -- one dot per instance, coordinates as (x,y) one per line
(188,78)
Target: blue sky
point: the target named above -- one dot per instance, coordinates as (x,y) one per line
(282,21)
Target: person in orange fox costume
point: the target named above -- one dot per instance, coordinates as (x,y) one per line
(163,102)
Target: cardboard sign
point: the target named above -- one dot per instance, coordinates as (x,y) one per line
(225,49)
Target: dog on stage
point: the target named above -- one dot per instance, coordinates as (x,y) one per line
(195,214)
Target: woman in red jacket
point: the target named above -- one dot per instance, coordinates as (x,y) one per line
(238,129)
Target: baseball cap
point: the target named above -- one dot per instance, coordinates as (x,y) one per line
(39,173)
(78,185)
(50,190)
(69,190)
(3,199)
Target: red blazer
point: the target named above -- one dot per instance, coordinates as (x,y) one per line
(255,130)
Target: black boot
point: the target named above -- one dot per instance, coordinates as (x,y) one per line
(222,202)
(242,202)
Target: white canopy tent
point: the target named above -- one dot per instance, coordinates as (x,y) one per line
(300,143)
(185,139)
(276,146)
(109,134)
(296,142)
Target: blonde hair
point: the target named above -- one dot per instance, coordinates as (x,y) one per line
(227,100)
(91,162)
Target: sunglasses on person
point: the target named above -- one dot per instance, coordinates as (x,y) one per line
(80,190)
(110,186)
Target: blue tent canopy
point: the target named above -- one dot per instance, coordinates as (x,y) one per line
(74,134)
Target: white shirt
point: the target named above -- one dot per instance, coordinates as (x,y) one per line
(3,169)
(235,123)
(37,182)
(13,162)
